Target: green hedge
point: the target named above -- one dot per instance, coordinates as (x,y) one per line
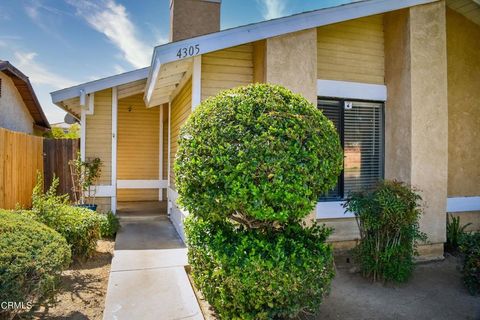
(109,225)
(254,274)
(256,153)
(32,257)
(470,247)
(79,226)
(388,219)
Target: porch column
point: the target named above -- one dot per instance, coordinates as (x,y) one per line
(416,113)
(114,149)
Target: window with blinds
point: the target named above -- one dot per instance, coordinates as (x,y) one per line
(360,127)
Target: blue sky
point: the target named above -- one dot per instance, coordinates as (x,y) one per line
(62,43)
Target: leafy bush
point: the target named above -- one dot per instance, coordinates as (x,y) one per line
(79,226)
(253,274)
(470,247)
(388,219)
(256,153)
(109,225)
(455,232)
(32,257)
(251,163)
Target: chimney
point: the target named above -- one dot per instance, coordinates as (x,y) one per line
(191,18)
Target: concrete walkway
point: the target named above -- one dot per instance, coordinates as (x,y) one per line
(147,278)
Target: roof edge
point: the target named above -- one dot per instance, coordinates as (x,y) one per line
(267,29)
(99,84)
(10,70)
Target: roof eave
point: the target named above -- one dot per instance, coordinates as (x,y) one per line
(267,29)
(98,85)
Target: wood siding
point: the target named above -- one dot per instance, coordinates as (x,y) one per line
(21,157)
(226,69)
(137,147)
(352,51)
(98,142)
(181,109)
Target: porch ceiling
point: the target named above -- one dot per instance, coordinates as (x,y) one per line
(169,79)
(469,8)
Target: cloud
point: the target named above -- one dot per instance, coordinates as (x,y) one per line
(272,9)
(38,73)
(112,20)
(45,17)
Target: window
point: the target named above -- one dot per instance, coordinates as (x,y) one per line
(360,127)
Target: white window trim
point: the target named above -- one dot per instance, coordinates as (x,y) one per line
(351,90)
(332,210)
(141,184)
(345,90)
(463,204)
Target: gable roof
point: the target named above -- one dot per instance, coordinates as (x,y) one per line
(267,29)
(24,87)
(167,53)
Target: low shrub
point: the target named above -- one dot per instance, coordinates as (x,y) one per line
(32,256)
(388,219)
(455,232)
(470,247)
(109,225)
(260,274)
(79,226)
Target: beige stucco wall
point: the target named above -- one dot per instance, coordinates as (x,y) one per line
(463,56)
(416,146)
(14,115)
(291,61)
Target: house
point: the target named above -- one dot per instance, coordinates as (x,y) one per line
(19,106)
(400,80)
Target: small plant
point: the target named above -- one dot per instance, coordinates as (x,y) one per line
(455,231)
(85,175)
(79,226)
(388,220)
(109,225)
(32,256)
(470,247)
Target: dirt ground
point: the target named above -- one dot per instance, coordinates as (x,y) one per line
(435,292)
(84,285)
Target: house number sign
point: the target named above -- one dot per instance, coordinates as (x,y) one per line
(189,51)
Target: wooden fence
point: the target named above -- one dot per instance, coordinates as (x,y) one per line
(21,157)
(57,154)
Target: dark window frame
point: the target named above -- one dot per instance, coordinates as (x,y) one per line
(341,178)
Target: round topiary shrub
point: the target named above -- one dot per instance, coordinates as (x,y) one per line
(259,274)
(32,256)
(256,153)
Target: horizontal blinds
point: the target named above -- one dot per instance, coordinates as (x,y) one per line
(333,111)
(363,146)
(361,131)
